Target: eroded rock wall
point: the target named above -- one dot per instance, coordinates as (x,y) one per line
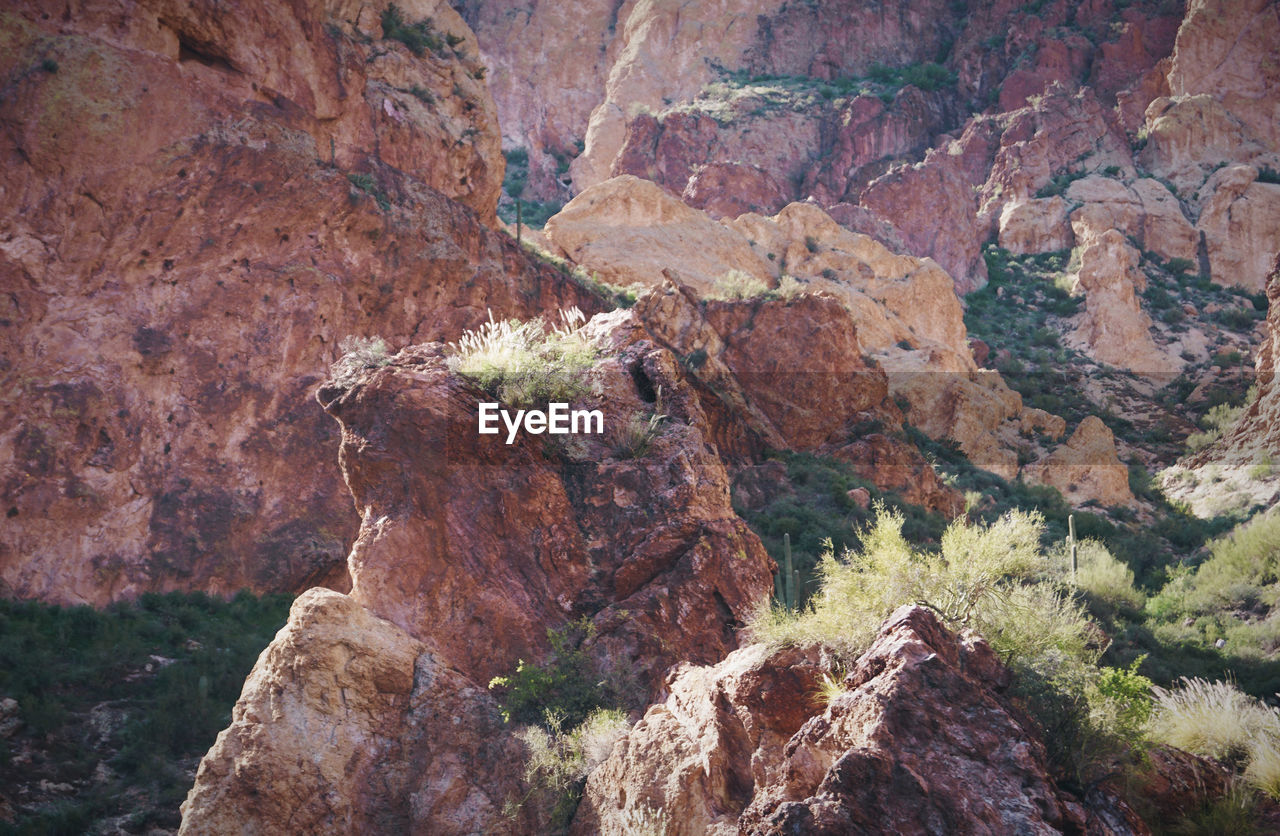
(194,219)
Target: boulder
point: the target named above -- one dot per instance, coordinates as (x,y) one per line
(1085,468)
(348,724)
(727,190)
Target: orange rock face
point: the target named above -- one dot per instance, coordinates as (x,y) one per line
(168,308)
(921,739)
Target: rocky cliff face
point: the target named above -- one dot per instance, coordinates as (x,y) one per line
(469,551)
(921,738)
(170,303)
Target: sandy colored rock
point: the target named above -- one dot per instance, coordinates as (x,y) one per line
(627,230)
(1086,467)
(1144,210)
(1239,223)
(906,311)
(1113,328)
(744,747)
(347,724)
(667,51)
(1227,49)
(1165,229)
(1037,226)
(170,309)
(1191,135)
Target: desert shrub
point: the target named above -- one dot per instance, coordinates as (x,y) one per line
(1215,422)
(1099,574)
(560,759)
(737,285)
(789,287)
(1218,720)
(1235,319)
(637,435)
(1267,174)
(358,354)
(984,576)
(1179,268)
(517,173)
(1247,558)
(418,37)
(1059,184)
(1235,813)
(566,688)
(860,588)
(526,363)
(366,183)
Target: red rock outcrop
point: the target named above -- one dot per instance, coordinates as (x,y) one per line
(812,389)
(470,550)
(727,190)
(921,739)
(483,545)
(167,309)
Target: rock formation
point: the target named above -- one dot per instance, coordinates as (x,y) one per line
(907,315)
(374,733)
(470,550)
(1255,438)
(921,738)
(1114,329)
(1086,467)
(166,315)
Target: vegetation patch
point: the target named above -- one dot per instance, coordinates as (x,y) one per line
(997,579)
(418,37)
(527,363)
(119,705)
(359,354)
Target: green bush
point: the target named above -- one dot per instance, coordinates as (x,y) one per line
(983,576)
(737,285)
(418,37)
(560,759)
(560,693)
